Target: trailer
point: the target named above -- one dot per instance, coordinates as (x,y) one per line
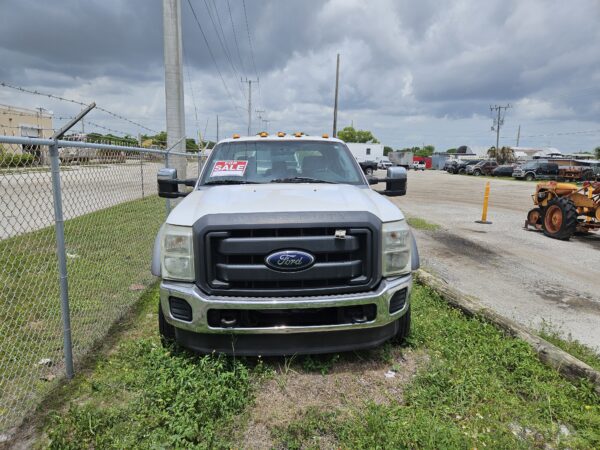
(402,159)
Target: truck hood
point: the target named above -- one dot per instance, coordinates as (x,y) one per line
(267,198)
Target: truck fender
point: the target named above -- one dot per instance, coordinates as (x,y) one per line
(414,251)
(155,268)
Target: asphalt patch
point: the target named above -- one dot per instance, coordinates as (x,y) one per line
(458,246)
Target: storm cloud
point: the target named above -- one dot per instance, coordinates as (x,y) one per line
(412,72)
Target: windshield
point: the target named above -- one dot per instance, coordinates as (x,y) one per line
(281,162)
(530,165)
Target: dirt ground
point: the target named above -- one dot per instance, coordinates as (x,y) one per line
(348,386)
(521,274)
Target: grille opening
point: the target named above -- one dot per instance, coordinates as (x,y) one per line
(346,265)
(269,318)
(180,309)
(398,301)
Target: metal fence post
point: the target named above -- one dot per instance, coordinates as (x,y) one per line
(142,172)
(62,259)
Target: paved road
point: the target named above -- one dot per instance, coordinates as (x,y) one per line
(521,274)
(26,196)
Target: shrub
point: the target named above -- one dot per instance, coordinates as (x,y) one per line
(15,160)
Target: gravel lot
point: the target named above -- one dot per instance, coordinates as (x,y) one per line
(521,274)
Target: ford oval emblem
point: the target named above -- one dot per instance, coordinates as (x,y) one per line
(289,260)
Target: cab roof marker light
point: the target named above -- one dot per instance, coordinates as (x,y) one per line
(236,136)
(298,134)
(264,134)
(281,134)
(325,136)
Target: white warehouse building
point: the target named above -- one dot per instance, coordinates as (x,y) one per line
(366,152)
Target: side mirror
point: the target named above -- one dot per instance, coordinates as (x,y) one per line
(372,180)
(168,184)
(395,182)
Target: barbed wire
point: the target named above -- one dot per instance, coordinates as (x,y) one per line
(76,102)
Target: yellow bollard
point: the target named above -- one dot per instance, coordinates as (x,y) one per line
(486,198)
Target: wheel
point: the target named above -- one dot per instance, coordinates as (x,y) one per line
(560,218)
(369,171)
(462,171)
(403,328)
(477,173)
(166,330)
(529,177)
(534,217)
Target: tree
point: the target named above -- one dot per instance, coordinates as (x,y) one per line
(505,155)
(387,150)
(349,134)
(451,151)
(425,151)
(597,152)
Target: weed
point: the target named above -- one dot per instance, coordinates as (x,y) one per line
(422,224)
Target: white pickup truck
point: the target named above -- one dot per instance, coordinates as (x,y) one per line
(282,247)
(418,165)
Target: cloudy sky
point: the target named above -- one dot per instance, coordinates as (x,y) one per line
(412,72)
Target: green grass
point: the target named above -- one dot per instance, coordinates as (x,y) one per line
(141,395)
(572,346)
(108,264)
(480,388)
(422,224)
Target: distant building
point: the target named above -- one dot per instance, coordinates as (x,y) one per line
(16,121)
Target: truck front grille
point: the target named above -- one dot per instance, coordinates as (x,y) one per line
(234,261)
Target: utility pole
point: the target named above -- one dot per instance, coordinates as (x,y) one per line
(249,102)
(266,122)
(335,102)
(518,135)
(498,121)
(259,113)
(175,114)
(217,128)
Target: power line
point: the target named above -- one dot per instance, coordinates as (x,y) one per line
(237,46)
(58,97)
(223,45)
(212,56)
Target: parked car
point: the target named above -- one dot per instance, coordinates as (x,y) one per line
(306,260)
(537,170)
(384,164)
(461,167)
(418,165)
(368,167)
(504,171)
(481,168)
(450,165)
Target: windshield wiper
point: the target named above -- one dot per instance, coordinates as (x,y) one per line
(300,180)
(215,182)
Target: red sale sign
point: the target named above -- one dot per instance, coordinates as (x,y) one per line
(229,168)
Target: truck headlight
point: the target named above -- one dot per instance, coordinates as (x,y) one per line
(177,252)
(396,248)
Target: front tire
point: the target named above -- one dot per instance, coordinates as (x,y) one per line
(560,218)
(529,177)
(166,330)
(404,327)
(477,173)
(369,171)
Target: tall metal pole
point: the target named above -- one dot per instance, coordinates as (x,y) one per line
(518,135)
(61,251)
(498,131)
(249,102)
(175,115)
(335,103)
(217,128)
(249,106)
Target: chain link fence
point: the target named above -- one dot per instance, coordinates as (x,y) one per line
(110,214)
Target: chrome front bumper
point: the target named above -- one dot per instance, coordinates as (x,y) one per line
(201,303)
